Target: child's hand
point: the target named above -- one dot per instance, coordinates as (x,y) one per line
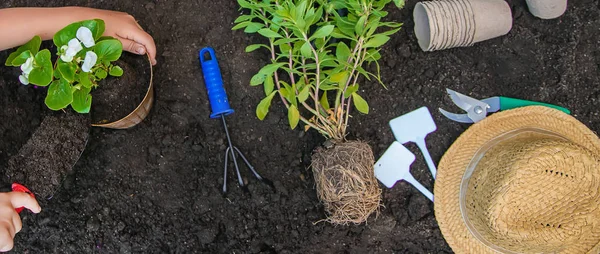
(19,25)
(10,222)
(124,27)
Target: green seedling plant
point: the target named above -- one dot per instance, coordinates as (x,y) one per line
(84,58)
(318,50)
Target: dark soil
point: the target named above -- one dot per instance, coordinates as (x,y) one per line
(38,147)
(116,97)
(50,153)
(156,188)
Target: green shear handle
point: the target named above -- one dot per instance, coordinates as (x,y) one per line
(510,103)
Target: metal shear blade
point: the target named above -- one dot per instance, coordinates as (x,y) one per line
(476,109)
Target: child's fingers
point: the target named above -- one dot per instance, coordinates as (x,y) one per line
(17,223)
(7,234)
(140,43)
(132,46)
(22,199)
(6,239)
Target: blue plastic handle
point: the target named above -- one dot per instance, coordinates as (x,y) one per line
(214,83)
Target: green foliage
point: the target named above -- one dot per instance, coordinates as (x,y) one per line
(63,36)
(31,48)
(69,82)
(317,56)
(109,50)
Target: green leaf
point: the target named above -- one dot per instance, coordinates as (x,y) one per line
(266,32)
(257,79)
(373,55)
(324,101)
(377,41)
(101,26)
(339,35)
(399,3)
(84,79)
(360,25)
(342,52)
(340,77)
(314,18)
(240,25)
(303,95)
(60,95)
(67,70)
(253,27)
(43,72)
(284,48)
(293,116)
(244,4)
(100,74)
(33,46)
(360,103)
(116,71)
(82,100)
(269,85)
(350,90)
(392,31)
(109,50)
(22,58)
(300,9)
(305,50)
(253,47)
(243,18)
(263,107)
(63,36)
(372,25)
(270,68)
(345,26)
(284,92)
(322,32)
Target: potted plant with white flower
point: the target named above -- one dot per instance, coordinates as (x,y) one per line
(85,57)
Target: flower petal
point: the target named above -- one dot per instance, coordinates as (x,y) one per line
(27,66)
(75,45)
(84,34)
(89,62)
(24,80)
(66,58)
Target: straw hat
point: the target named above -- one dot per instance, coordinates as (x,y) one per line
(531,185)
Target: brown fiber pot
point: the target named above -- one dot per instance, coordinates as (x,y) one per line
(138,115)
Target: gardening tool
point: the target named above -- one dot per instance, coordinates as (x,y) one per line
(477,110)
(20,188)
(220,108)
(394,165)
(414,127)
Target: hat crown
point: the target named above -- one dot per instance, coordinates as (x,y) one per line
(533,191)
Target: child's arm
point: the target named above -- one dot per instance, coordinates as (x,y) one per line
(19,25)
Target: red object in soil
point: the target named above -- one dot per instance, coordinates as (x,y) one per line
(21,188)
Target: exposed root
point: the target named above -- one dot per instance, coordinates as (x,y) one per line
(346,182)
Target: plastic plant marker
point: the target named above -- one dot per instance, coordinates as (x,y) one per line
(414,127)
(394,165)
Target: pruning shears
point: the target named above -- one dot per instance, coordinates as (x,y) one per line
(477,110)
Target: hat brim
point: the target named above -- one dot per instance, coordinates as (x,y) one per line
(455,161)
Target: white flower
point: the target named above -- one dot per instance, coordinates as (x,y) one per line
(24,79)
(71,50)
(84,34)
(27,66)
(89,62)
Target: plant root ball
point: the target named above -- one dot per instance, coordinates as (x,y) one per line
(346,182)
